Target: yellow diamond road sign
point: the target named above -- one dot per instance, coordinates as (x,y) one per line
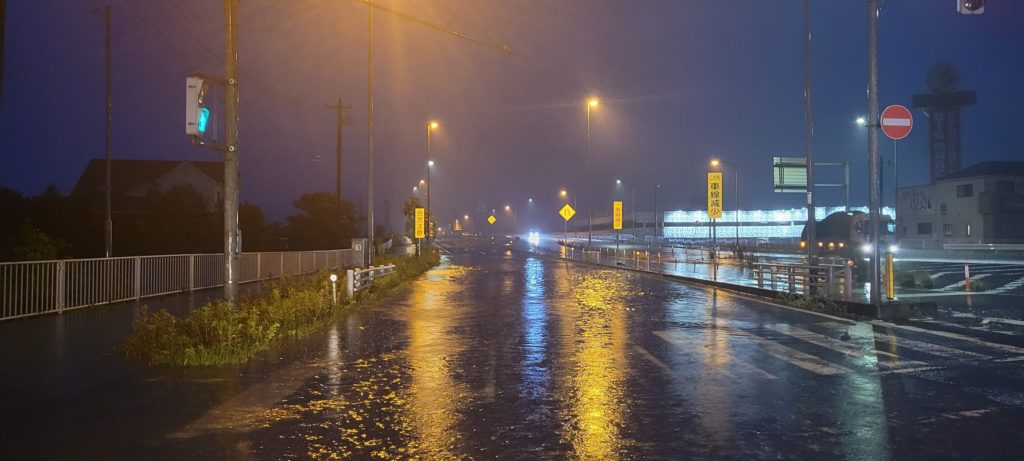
(491,219)
(567,212)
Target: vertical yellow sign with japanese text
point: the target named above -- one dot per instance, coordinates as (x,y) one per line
(617,215)
(714,195)
(420,226)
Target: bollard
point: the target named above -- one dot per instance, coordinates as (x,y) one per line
(967,277)
(890,278)
(350,283)
(334,288)
(848,279)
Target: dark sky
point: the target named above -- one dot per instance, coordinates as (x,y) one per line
(680,81)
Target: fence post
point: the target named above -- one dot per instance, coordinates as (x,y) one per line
(191,272)
(259,265)
(60,295)
(281,272)
(349,283)
(138,277)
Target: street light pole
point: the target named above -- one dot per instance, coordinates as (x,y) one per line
(591,103)
(430,187)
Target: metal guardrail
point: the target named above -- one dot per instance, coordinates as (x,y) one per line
(799,278)
(357,279)
(43,287)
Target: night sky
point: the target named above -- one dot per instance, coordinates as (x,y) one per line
(680,81)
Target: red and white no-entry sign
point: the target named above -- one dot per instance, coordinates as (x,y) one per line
(896,121)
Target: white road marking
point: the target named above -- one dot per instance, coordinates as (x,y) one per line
(1001,347)
(848,348)
(696,345)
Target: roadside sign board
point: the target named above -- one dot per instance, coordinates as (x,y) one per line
(896,122)
(567,212)
(714,195)
(491,219)
(617,215)
(420,215)
(789,174)
(458,226)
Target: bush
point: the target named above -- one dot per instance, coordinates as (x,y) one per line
(905,280)
(978,286)
(216,334)
(813,303)
(924,280)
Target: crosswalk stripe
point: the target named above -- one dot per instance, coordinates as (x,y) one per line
(850,349)
(694,345)
(794,357)
(1000,347)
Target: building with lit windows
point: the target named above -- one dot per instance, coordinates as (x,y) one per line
(979,205)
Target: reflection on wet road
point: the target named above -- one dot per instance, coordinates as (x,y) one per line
(509,355)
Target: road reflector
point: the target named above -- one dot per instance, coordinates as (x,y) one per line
(567,212)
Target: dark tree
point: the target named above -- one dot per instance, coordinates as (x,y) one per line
(324,222)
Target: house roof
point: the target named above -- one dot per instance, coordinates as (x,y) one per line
(988,169)
(128,174)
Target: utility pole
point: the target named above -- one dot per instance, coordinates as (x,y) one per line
(812,221)
(369,135)
(3,22)
(874,187)
(343,119)
(108,222)
(232,237)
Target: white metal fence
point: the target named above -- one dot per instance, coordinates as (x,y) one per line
(357,279)
(41,287)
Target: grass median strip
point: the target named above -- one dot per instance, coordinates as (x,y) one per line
(216,334)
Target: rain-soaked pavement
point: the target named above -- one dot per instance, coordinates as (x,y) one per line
(510,355)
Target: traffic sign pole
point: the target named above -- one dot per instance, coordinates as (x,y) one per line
(896,122)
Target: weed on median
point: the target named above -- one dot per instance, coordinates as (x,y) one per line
(217,334)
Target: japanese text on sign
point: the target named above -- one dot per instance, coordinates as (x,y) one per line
(420,231)
(715,195)
(617,215)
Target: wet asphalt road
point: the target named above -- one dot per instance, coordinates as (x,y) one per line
(507,355)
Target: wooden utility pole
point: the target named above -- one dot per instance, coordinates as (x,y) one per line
(343,119)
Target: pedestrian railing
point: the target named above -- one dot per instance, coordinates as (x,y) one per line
(826,279)
(357,279)
(42,287)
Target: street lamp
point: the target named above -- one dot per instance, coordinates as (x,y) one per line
(592,103)
(861,121)
(431,126)
(736,194)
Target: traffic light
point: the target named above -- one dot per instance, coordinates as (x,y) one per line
(970,6)
(196,113)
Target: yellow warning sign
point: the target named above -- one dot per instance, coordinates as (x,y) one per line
(714,195)
(617,215)
(420,214)
(491,219)
(567,212)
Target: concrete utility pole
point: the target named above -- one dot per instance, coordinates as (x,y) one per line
(108,223)
(369,135)
(232,235)
(343,119)
(809,137)
(3,22)
(874,186)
